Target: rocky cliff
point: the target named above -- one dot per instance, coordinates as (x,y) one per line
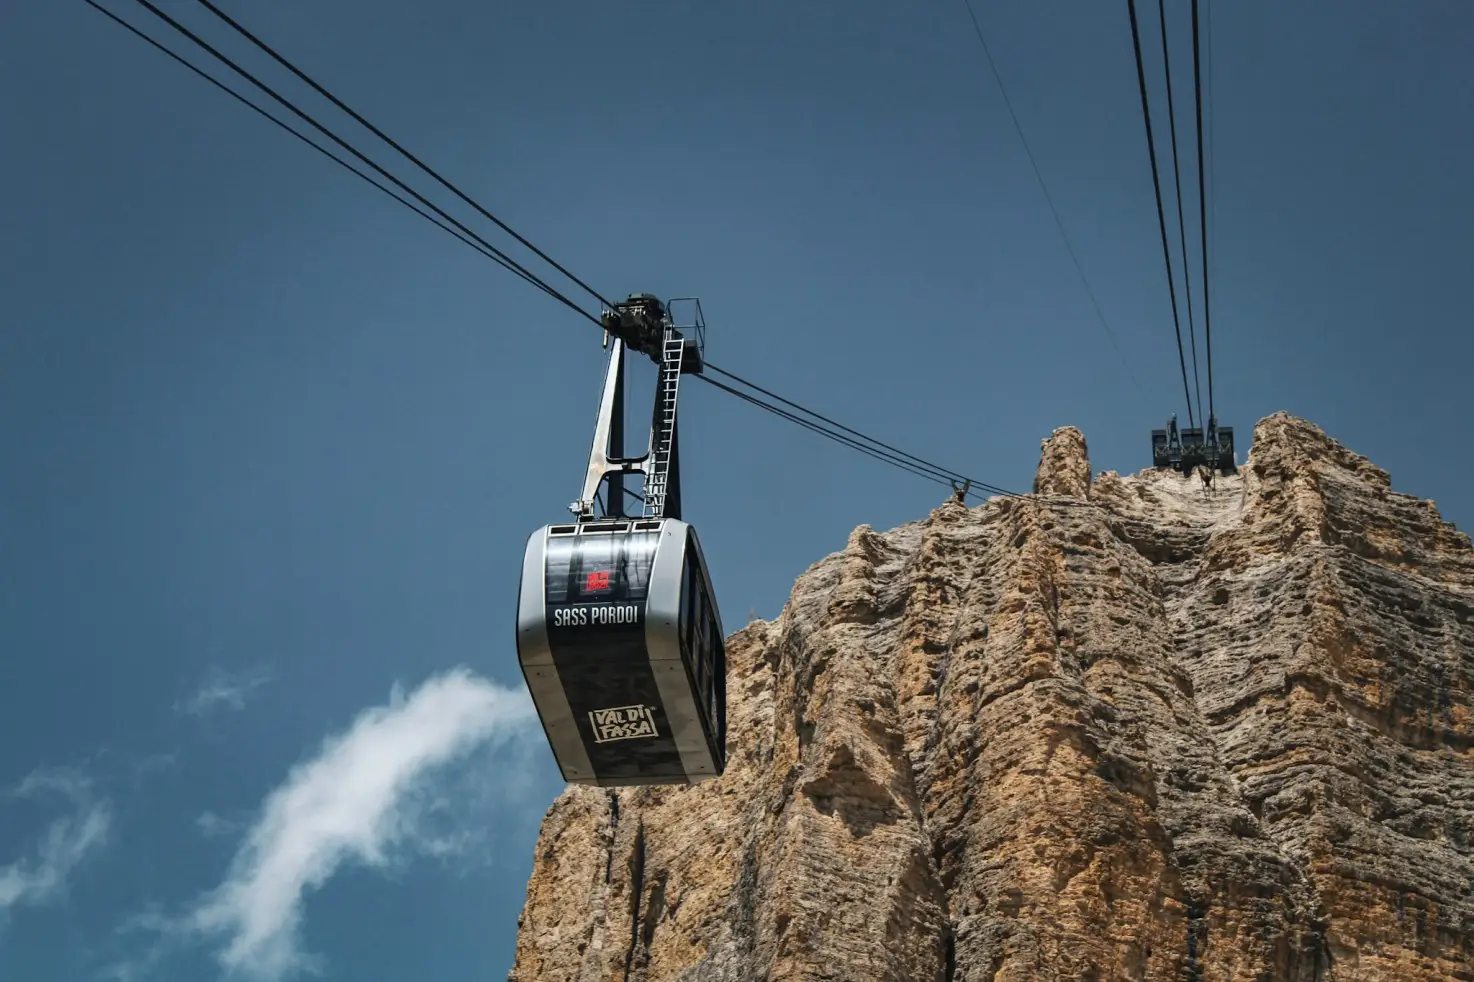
(1116,729)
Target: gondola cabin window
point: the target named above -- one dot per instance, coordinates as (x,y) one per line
(688,620)
(715,694)
(697,628)
(600,568)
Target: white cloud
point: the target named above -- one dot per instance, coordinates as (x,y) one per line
(361,798)
(222,690)
(41,876)
(212,826)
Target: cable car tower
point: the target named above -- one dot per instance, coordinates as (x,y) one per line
(618,632)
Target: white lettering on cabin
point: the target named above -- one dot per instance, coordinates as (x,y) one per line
(602,615)
(623,723)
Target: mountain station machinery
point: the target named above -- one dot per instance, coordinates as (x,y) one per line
(1183,450)
(618,632)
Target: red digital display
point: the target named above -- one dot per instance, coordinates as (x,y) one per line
(596,581)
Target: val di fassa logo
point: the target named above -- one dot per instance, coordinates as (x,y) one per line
(622,723)
(596,615)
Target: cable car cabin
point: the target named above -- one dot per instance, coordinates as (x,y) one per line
(618,633)
(621,646)
(1184,449)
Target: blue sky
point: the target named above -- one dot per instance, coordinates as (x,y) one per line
(273,444)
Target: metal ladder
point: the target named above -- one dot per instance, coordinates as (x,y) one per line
(672,352)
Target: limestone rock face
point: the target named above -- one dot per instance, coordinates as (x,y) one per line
(1124,730)
(1064,464)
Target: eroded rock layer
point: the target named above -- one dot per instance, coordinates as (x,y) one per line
(1120,729)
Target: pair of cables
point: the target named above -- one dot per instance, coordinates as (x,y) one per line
(1181,224)
(401,192)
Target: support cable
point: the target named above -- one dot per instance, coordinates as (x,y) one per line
(200,42)
(942,472)
(387,139)
(325,151)
(1146,114)
(1187,283)
(885,446)
(1203,208)
(929,472)
(1212,159)
(1048,198)
(826,427)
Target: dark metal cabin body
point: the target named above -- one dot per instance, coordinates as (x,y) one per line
(622,648)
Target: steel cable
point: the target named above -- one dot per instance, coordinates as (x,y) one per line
(507,260)
(925,470)
(387,139)
(1146,113)
(1048,198)
(1203,209)
(826,427)
(1187,283)
(326,152)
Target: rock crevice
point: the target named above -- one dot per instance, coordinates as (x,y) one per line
(1123,728)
